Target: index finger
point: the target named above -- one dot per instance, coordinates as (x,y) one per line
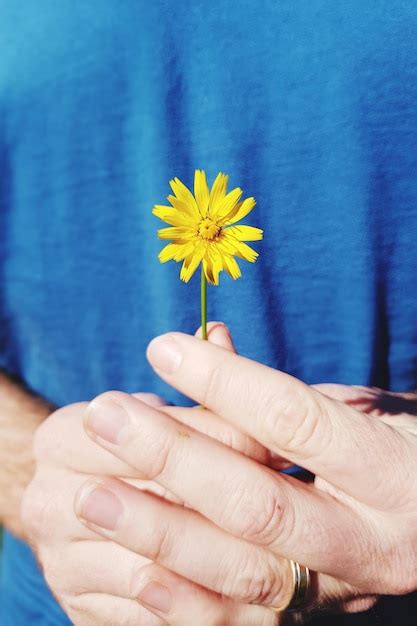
(330,439)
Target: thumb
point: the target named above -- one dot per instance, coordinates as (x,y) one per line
(219,334)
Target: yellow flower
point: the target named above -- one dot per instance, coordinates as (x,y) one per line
(202,228)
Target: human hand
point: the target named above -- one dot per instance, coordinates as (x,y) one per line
(243,520)
(96,580)
(21,412)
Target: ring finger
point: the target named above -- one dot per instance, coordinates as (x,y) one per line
(188,544)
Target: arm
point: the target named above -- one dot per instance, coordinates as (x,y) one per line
(21,412)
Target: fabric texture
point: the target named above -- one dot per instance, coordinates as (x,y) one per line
(310,107)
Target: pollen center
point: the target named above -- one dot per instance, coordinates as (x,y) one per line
(208,229)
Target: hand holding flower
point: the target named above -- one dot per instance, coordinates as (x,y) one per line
(145,557)
(243,522)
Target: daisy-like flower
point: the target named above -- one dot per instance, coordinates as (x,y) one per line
(203,228)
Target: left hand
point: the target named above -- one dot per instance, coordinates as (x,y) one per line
(21,413)
(243,521)
(94,579)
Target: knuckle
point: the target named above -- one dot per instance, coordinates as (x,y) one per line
(214,384)
(253,580)
(140,572)
(49,436)
(34,510)
(44,439)
(161,544)
(300,424)
(158,452)
(262,525)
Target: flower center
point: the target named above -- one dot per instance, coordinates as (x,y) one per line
(208,229)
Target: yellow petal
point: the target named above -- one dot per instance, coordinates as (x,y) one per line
(208,270)
(175,252)
(239,212)
(171,216)
(227,245)
(245,233)
(226,204)
(246,252)
(176,232)
(191,214)
(201,191)
(217,262)
(217,193)
(184,194)
(214,264)
(241,249)
(192,262)
(231,266)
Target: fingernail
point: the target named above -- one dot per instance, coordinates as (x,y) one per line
(164,354)
(107,419)
(99,506)
(156,596)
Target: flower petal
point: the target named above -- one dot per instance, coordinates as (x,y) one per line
(239,212)
(184,194)
(245,233)
(214,263)
(175,252)
(176,232)
(190,213)
(227,244)
(231,266)
(241,249)
(171,216)
(208,270)
(201,191)
(189,243)
(217,193)
(225,205)
(246,252)
(192,262)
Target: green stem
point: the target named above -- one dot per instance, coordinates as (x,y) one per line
(203,303)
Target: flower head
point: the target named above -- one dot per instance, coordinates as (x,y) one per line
(202,228)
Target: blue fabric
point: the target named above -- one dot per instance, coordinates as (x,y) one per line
(311,108)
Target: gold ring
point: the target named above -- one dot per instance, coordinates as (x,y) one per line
(301,579)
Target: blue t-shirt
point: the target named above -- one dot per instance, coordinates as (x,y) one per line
(309,106)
